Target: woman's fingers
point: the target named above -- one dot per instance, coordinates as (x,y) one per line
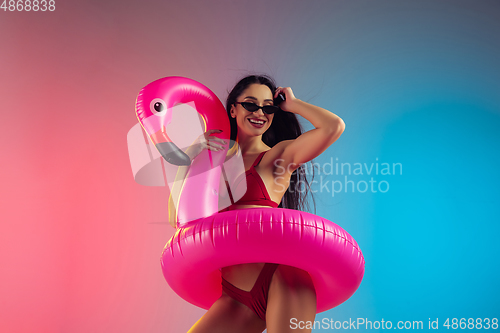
(216,138)
(213,130)
(220,141)
(278,90)
(210,142)
(287,91)
(213,146)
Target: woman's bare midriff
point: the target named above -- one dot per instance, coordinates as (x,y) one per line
(243,276)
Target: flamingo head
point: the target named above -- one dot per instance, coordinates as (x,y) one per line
(154,111)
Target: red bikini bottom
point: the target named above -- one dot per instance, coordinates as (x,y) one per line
(255,299)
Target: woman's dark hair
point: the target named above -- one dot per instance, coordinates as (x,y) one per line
(285,126)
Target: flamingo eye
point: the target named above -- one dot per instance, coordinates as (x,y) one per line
(158,107)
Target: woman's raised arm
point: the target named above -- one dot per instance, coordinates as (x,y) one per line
(312,143)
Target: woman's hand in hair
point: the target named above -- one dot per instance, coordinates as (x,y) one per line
(290,98)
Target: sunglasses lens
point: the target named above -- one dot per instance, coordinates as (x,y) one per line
(250,106)
(269,109)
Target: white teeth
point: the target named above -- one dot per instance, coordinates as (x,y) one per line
(260,122)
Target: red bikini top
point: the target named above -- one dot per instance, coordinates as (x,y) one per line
(256,193)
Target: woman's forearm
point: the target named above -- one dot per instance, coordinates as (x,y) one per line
(318,117)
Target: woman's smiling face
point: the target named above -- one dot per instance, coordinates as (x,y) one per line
(253,123)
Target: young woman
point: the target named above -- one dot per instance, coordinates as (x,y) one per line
(260,295)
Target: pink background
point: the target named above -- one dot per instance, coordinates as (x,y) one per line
(80,240)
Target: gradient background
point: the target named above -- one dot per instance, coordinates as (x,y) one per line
(416,82)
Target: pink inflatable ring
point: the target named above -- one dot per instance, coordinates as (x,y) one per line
(192,257)
(205,240)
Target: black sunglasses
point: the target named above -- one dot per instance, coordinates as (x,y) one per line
(252,107)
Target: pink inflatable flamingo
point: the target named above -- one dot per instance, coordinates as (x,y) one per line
(206,240)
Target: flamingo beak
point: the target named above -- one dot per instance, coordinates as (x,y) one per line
(170,152)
